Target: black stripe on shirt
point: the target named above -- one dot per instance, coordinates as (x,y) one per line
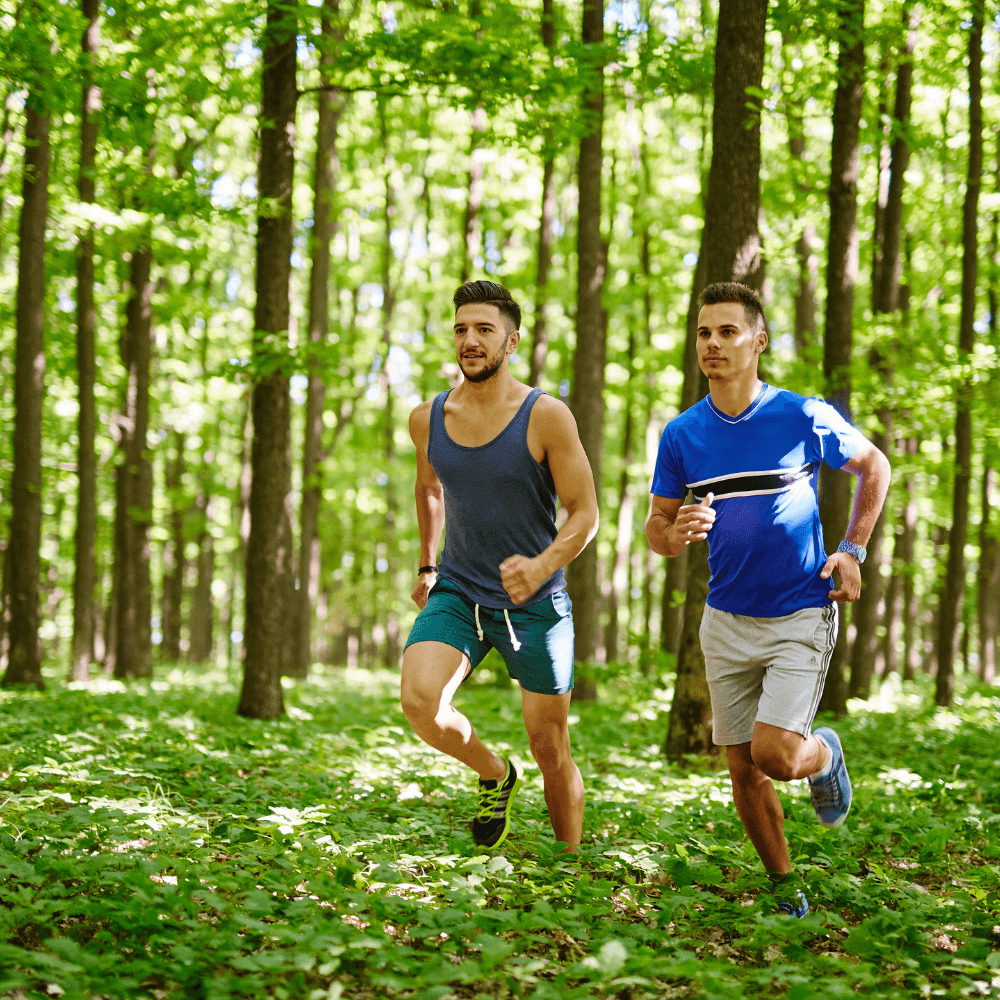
(769,482)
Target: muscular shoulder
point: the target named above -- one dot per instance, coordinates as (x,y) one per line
(552,418)
(420,421)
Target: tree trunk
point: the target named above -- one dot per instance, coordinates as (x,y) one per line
(325,170)
(269,545)
(805,253)
(546,236)
(625,519)
(471,223)
(907,553)
(22,562)
(988,579)
(730,252)
(84,560)
(133,641)
(835,486)
(393,653)
(883,154)
(885,301)
(202,620)
(954,585)
(590,353)
(885,288)
(173,575)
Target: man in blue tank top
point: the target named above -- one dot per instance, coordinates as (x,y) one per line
(493,455)
(750,454)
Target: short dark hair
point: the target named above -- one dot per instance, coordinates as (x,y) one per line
(733,291)
(489,293)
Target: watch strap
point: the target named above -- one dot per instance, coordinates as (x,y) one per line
(426,569)
(853,549)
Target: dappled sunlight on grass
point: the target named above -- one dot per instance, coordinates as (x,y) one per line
(148,828)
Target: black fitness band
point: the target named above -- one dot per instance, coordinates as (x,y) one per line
(426,569)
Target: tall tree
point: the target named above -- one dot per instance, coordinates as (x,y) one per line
(885,302)
(22,562)
(546,236)
(386,391)
(268,564)
(954,584)
(84,576)
(174,562)
(841,276)
(591,327)
(326,166)
(730,252)
(805,245)
(988,577)
(133,643)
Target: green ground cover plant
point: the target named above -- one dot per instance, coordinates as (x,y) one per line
(154,845)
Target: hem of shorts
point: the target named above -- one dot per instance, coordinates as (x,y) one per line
(447,640)
(783,724)
(729,742)
(526,688)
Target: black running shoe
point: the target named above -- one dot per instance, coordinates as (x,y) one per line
(492,820)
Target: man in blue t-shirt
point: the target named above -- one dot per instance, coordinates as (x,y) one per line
(750,454)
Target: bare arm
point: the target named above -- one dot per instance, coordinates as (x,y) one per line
(430,502)
(873,472)
(574,481)
(672,525)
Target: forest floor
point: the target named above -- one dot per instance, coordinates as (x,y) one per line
(152,844)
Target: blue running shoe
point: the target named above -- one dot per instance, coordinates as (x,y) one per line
(831,794)
(799,908)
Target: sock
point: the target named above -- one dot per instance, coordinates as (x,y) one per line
(828,766)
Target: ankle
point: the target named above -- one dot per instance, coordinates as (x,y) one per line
(824,758)
(496,772)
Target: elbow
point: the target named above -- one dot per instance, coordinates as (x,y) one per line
(885,467)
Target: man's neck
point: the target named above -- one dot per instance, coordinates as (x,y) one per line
(733,397)
(494,392)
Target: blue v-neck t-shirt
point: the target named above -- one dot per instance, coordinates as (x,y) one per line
(765,550)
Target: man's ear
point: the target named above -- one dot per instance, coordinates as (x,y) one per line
(515,339)
(762,340)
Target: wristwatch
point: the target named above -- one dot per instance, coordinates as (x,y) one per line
(853,549)
(426,569)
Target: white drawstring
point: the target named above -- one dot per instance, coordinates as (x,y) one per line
(479,628)
(510,628)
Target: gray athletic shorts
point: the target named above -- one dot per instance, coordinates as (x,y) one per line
(768,670)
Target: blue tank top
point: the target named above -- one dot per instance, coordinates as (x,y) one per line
(498,502)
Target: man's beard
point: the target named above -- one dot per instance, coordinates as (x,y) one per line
(491,367)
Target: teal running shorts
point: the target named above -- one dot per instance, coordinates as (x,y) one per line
(536,642)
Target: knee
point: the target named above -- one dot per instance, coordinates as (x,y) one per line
(775,762)
(550,748)
(420,706)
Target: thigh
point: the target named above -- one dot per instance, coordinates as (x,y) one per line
(432,671)
(801,647)
(537,644)
(735,674)
(447,618)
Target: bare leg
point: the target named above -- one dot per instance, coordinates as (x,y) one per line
(545,719)
(784,755)
(773,753)
(432,672)
(759,808)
